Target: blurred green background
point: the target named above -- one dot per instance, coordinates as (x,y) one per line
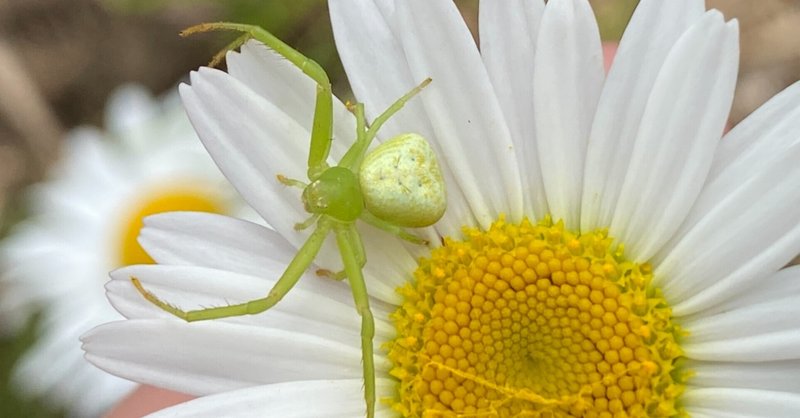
(71,54)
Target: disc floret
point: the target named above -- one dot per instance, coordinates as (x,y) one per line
(530,319)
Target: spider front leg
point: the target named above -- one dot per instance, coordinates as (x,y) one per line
(352,267)
(322,126)
(304,257)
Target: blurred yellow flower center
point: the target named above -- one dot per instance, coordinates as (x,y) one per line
(182,198)
(532,320)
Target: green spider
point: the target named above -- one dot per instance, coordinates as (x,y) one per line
(397,185)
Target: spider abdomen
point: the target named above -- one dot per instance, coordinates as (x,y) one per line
(402,183)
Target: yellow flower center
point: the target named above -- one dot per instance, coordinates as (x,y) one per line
(532,320)
(177,198)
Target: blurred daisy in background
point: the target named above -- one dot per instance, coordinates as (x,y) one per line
(84,222)
(650,280)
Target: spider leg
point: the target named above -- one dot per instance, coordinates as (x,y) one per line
(352,159)
(322,126)
(358,249)
(333,275)
(286,181)
(352,266)
(392,229)
(304,257)
(220,56)
(394,108)
(311,220)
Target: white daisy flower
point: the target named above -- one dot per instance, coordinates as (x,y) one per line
(648,281)
(84,222)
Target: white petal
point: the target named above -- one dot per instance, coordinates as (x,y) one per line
(27,280)
(129,108)
(764,132)
(568,77)
(309,399)
(189,287)
(780,376)
(774,346)
(379,74)
(208,240)
(54,369)
(252,141)
(508,34)
(748,227)
(704,413)
(654,28)
(464,111)
(376,65)
(680,129)
(765,318)
(785,283)
(285,86)
(762,325)
(88,156)
(210,357)
(89,163)
(742,403)
(749,194)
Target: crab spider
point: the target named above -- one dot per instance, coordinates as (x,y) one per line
(397,185)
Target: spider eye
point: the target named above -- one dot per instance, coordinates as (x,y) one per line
(402,183)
